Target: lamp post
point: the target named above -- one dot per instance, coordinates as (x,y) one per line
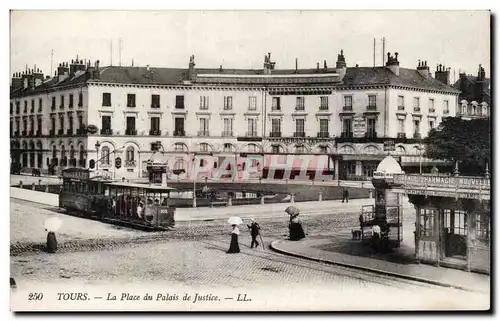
(97,145)
(194,180)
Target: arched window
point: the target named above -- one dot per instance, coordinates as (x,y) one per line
(416,150)
(63,152)
(276,149)
(180,147)
(347,150)
(300,149)
(71,152)
(252,148)
(105,155)
(204,147)
(54,151)
(82,152)
(130,154)
(228,148)
(324,149)
(400,150)
(371,149)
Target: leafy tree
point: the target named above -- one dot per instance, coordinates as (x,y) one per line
(467,141)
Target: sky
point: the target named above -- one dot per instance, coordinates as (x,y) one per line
(240,39)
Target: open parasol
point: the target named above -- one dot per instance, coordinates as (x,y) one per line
(235,220)
(292,210)
(52,224)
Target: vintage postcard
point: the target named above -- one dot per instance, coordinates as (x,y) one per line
(250,160)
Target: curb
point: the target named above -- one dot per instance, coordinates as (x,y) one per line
(367,269)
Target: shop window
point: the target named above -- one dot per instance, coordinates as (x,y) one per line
(482,228)
(427,222)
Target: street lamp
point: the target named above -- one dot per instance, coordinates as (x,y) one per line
(97,145)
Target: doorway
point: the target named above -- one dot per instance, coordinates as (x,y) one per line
(454,234)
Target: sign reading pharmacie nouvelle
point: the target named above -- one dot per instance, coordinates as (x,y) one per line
(459,182)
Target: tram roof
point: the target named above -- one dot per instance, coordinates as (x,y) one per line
(152,187)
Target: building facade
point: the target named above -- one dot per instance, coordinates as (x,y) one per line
(475,95)
(107,118)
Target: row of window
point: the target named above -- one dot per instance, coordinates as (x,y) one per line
(40,104)
(25,130)
(205,102)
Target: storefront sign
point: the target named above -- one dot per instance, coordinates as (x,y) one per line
(461,182)
(453,194)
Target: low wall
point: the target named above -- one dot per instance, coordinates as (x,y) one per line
(34,196)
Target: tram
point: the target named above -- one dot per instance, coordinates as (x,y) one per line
(140,206)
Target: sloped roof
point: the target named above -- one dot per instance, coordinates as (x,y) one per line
(467,86)
(360,76)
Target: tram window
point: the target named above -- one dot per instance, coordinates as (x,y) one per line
(460,223)
(427,222)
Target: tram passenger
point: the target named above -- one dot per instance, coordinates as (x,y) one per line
(140,209)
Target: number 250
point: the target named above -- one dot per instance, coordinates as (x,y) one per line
(35,296)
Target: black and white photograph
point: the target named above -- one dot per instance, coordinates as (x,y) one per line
(250,160)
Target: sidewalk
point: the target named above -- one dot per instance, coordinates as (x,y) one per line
(343,251)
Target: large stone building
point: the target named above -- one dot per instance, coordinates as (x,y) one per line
(88,113)
(475,95)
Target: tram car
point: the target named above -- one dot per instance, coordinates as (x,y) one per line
(140,206)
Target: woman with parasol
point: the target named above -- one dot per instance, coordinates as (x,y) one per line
(234,247)
(295,226)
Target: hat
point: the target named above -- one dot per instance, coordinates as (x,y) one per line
(252,219)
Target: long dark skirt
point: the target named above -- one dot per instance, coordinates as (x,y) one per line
(234,247)
(296,232)
(51,242)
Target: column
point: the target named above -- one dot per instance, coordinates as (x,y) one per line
(336,169)
(359,168)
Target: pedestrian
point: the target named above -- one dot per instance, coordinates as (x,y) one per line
(139,209)
(51,242)
(296,230)
(254,232)
(345,195)
(234,247)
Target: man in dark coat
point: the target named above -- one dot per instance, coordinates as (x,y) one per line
(345,195)
(254,231)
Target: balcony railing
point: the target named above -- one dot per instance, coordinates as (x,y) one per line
(130,163)
(417,135)
(154,132)
(299,134)
(53,107)
(401,135)
(432,110)
(81,131)
(81,162)
(179,132)
(401,107)
(131,131)
(16,133)
(278,108)
(252,134)
(347,108)
(155,105)
(371,134)
(52,132)
(203,133)
(69,132)
(227,133)
(275,134)
(72,162)
(23,133)
(323,135)
(60,132)
(179,106)
(446,111)
(323,107)
(346,135)
(416,109)
(38,133)
(371,107)
(299,108)
(31,133)
(106,131)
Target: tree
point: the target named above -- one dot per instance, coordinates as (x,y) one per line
(465,141)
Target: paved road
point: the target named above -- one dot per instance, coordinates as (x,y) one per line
(194,255)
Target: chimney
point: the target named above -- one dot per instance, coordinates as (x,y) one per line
(62,69)
(296,66)
(341,60)
(317,66)
(76,65)
(325,66)
(192,73)
(37,77)
(481,75)
(442,74)
(268,64)
(96,73)
(479,85)
(393,63)
(423,69)
(17,81)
